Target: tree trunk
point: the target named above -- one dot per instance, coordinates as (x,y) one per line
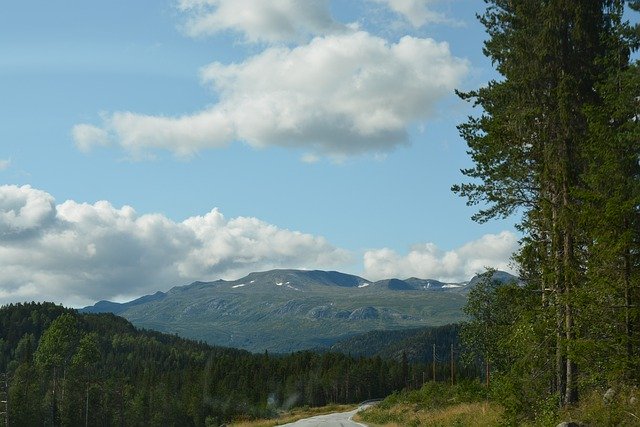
(86,408)
(628,302)
(571,396)
(558,289)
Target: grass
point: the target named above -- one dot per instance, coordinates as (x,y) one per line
(622,409)
(293,416)
(468,404)
(436,404)
(476,414)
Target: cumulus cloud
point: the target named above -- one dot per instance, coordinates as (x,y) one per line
(259,20)
(77,253)
(24,209)
(336,96)
(417,12)
(428,261)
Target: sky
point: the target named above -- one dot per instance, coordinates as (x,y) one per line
(147,144)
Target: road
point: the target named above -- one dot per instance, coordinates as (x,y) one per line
(340,419)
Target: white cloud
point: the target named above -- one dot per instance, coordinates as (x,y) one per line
(260,20)
(417,12)
(77,253)
(23,209)
(336,96)
(87,136)
(310,158)
(428,261)
(4,164)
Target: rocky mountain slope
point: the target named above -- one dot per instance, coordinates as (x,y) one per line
(289,310)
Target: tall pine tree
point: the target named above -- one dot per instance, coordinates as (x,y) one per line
(531,150)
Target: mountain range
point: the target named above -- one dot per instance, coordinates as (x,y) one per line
(288,310)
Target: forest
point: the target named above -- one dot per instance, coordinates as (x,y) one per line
(67,368)
(557,143)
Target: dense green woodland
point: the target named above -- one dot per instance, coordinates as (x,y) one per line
(66,368)
(557,142)
(414,344)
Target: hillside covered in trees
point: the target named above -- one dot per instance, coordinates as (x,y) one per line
(67,368)
(414,344)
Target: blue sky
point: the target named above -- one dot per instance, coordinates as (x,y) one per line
(147,144)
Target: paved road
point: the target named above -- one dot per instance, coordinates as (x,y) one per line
(342,419)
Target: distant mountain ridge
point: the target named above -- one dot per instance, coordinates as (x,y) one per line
(288,310)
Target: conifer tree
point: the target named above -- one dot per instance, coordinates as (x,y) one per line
(531,144)
(54,353)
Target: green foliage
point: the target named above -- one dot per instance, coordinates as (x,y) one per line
(612,194)
(493,308)
(100,370)
(58,342)
(417,344)
(525,398)
(622,409)
(25,407)
(87,352)
(558,140)
(506,330)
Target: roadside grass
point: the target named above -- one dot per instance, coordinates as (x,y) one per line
(477,414)
(622,408)
(469,404)
(293,416)
(435,404)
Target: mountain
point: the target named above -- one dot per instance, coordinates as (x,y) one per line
(289,310)
(116,308)
(500,276)
(415,284)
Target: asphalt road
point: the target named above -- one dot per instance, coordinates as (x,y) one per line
(341,419)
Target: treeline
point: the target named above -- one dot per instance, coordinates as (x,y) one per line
(558,141)
(67,368)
